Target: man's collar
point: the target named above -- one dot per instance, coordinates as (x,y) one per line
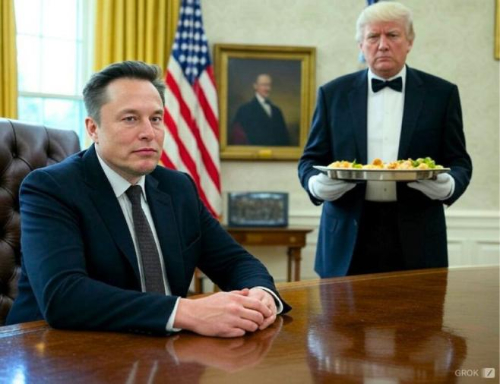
(118,183)
(401,74)
(260,98)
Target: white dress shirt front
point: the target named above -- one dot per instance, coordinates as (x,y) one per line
(264,104)
(120,186)
(384,120)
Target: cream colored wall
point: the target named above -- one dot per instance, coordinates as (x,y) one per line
(454,40)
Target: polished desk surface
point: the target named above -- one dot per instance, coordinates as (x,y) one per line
(405,327)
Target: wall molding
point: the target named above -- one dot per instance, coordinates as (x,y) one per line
(454,219)
(473,241)
(473,235)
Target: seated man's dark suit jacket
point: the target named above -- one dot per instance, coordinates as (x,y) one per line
(253,126)
(432,126)
(79,267)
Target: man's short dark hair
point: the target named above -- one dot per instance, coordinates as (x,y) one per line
(95,95)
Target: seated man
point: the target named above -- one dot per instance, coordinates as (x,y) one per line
(110,240)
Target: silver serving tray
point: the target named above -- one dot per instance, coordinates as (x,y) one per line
(381,174)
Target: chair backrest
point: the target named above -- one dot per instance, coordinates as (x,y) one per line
(23,148)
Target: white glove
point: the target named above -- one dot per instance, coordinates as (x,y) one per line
(440,189)
(324,188)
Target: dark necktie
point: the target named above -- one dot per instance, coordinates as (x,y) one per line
(396,84)
(151,266)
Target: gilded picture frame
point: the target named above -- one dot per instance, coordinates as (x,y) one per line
(246,132)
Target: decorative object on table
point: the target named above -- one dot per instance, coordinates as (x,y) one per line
(257,209)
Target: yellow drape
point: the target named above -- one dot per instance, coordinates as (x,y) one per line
(8,57)
(134,30)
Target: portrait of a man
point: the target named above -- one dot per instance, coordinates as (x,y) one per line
(259,122)
(263,102)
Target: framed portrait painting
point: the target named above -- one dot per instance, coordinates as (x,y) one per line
(266,100)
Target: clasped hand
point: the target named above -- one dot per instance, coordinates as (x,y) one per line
(227,314)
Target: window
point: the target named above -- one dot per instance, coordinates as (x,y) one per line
(53,45)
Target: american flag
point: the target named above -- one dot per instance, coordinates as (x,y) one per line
(191,113)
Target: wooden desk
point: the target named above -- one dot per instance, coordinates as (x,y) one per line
(291,237)
(406,327)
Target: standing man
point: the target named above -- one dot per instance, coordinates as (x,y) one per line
(259,122)
(389,111)
(110,240)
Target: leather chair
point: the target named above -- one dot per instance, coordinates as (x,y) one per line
(23,147)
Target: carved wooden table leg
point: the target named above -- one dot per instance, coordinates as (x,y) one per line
(294,256)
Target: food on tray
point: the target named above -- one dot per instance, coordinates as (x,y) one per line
(409,164)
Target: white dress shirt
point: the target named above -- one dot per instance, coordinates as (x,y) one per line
(264,104)
(120,186)
(384,120)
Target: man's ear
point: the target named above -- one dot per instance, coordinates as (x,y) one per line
(92,129)
(410,45)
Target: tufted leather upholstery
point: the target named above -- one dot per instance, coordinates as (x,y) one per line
(23,147)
